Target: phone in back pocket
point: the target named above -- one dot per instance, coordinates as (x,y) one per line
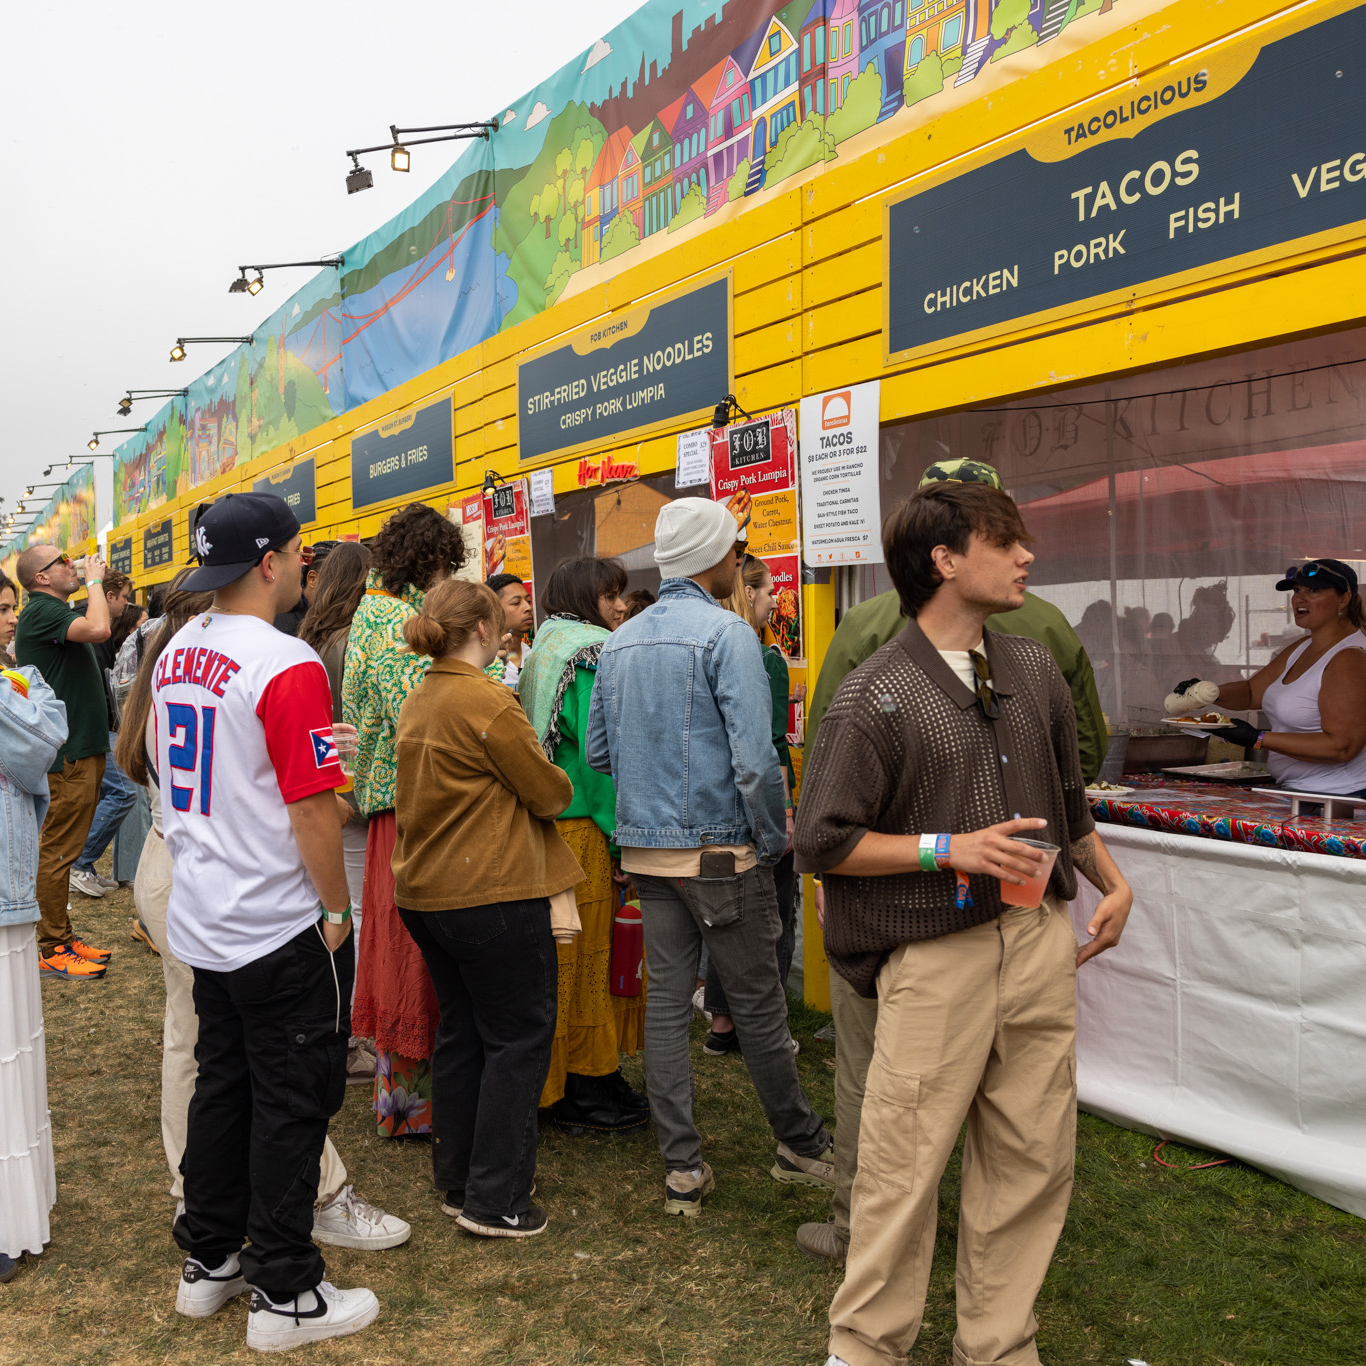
(717,863)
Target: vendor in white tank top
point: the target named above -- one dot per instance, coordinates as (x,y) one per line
(1313,692)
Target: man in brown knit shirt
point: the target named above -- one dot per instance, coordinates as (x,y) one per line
(937,754)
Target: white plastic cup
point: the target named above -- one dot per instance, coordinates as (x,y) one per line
(1031,893)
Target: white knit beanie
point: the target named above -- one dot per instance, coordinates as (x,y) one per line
(691,535)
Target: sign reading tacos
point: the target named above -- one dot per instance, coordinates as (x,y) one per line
(1216,163)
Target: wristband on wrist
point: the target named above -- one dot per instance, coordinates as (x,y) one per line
(1257,743)
(334,917)
(927,863)
(941,852)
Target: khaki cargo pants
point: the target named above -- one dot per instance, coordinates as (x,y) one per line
(977,1026)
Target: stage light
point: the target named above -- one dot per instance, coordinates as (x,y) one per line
(256,285)
(399,158)
(178,351)
(358,178)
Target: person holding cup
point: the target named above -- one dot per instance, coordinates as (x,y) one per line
(936,756)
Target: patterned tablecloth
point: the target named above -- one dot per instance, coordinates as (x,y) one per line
(1221,811)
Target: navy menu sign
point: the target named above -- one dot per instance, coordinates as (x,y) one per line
(410,451)
(298,488)
(158,544)
(1215,163)
(634,372)
(121,555)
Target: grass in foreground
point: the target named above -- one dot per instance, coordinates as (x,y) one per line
(1225,1267)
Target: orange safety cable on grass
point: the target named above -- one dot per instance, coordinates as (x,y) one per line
(1191,1166)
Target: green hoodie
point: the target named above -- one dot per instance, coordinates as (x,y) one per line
(870,625)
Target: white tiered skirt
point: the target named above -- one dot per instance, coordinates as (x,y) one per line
(28,1179)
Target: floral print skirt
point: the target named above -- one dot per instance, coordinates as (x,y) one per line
(395,1003)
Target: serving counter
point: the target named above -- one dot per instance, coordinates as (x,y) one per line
(1232,1015)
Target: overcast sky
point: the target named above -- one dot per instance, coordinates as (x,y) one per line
(151,148)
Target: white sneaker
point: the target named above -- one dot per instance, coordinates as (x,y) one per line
(88,884)
(310,1316)
(836,1361)
(108,883)
(698,997)
(203,1292)
(360,1065)
(348,1221)
(796,1047)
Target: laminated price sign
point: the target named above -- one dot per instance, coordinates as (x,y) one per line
(760,458)
(841,501)
(507,513)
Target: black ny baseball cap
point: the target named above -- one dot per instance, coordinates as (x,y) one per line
(233,535)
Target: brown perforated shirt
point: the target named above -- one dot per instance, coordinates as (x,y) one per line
(906,750)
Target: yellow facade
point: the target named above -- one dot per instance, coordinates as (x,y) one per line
(808,267)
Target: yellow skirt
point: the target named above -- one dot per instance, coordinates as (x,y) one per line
(592,1026)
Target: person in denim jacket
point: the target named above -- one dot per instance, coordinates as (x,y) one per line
(32,730)
(681,717)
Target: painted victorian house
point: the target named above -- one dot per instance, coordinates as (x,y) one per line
(841,51)
(773,86)
(882,44)
(600,196)
(729,118)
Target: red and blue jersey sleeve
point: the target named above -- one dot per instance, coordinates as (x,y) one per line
(296,711)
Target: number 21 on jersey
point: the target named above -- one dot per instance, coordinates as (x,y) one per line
(191,751)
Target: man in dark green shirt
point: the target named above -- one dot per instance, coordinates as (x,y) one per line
(59,642)
(870,625)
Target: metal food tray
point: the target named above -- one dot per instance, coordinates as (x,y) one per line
(1235,771)
(1336,806)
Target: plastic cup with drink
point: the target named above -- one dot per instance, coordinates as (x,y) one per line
(1032,891)
(346,741)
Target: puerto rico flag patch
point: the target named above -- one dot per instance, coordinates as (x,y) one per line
(324,746)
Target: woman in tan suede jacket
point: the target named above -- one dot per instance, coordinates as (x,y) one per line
(476,860)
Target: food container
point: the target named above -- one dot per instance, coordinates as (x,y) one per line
(1151,748)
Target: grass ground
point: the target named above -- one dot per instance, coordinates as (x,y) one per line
(1223,1267)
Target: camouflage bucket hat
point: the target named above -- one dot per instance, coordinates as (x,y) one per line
(961,472)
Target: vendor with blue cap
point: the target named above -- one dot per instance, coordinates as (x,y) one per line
(1313,692)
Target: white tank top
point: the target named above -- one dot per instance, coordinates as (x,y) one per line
(1295,707)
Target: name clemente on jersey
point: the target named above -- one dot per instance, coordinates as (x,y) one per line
(206,668)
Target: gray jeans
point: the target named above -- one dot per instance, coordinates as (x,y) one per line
(737,918)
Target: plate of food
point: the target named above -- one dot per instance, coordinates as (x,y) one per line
(1206,720)
(1104,789)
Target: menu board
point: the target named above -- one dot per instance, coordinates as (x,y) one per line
(760,458)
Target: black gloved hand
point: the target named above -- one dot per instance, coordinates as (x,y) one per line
(1180,688)
(1237,732)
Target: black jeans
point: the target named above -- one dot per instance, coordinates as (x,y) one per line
(272,1072)
(785,885)
(496,975)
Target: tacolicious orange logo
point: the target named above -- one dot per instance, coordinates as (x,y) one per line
(836,411)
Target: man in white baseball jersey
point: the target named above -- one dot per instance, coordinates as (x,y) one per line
(259,909)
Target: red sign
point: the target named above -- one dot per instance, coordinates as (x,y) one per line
(605,470)
(759,457)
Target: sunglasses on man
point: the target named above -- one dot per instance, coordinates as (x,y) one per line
(61,559)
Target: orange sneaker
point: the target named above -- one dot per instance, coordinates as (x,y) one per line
(78,948)
(63,964)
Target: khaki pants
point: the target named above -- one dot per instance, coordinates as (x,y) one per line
(151,892)
(978,1026)
(855,1023)
(75,794)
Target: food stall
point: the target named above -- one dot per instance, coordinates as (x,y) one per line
(1232,1016)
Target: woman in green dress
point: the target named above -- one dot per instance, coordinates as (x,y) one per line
(581,607)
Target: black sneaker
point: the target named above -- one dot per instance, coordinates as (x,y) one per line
(525,1225)
(453,1204)
(718,1045)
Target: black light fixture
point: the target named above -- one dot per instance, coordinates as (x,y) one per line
(358,178)
(492,480)
(178,350)
(242,285)
(73,461)
(137,395)
(94,442)
(725,412)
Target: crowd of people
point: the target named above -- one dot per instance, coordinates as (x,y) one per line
(393,825)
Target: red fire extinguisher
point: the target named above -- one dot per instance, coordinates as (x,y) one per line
(628,951)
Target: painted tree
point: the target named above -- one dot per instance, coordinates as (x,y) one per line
(621,236)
